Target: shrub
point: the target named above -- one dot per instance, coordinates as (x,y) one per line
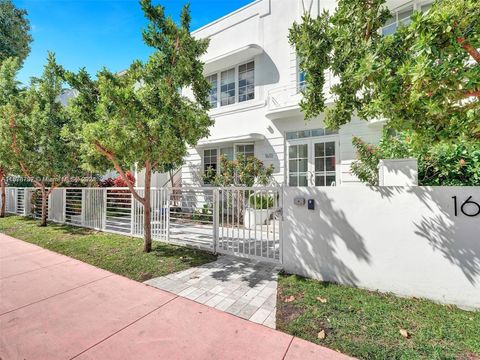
(261,201)
(119,182)
(244,171)
(442,163)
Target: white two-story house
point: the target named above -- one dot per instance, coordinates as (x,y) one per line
(255,92)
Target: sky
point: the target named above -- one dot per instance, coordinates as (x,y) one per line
(97,33)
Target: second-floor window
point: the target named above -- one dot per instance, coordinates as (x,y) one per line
(232,86)
(246,82)
(213,94)
(227,87)
(402,15)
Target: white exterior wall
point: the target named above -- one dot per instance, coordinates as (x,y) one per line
(265,24)
(405,240)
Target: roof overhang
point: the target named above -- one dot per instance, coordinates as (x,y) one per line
(232,58)
(252,137)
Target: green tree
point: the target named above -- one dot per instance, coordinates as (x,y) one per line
(15,38)
(424,79)
(9,105)
(36,128)
(140,116)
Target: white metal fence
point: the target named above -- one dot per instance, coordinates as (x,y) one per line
(235,220)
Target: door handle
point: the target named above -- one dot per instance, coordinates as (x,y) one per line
(312,178)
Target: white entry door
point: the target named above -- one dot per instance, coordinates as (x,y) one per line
(312,162)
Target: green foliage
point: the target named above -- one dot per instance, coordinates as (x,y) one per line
(139,116)
(366,169)
(36,125)
(337,43)
(445,163)
(9,106)
(15,38)
(260,201)
(204,214)
(244,171)
(424,80)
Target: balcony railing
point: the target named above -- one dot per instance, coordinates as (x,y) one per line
(288,97)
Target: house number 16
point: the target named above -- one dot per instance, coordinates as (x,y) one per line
(474,207)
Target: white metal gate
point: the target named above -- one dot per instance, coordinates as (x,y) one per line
(250,222)
(238,221)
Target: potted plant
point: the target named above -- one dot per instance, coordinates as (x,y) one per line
(258,211)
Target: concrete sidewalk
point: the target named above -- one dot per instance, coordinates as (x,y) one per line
(55,307)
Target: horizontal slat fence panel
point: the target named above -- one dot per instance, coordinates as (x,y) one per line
(238,221)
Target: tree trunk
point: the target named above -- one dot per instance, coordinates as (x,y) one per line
(44,207)
(147,225)
(171,177)
(3,196)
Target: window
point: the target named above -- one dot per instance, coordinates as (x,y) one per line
(213,94)
(227,152)
(246,150)
(310,133)
(402,16)
(324,154)
(227,87)
(298,165)
(210,159)
(301,80)
(300,76)
(246,82)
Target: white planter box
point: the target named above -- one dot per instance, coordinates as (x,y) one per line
(254,217)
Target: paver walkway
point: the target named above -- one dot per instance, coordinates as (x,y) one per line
(242,287)
(54,307)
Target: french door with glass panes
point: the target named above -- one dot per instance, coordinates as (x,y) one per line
(312,162)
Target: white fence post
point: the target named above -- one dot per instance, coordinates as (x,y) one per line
(167,215)
(132,215)
(82,216)
(216,218)
(64,194)
(104,221)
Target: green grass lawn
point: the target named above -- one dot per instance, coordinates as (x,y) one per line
(119,254)
(367,324)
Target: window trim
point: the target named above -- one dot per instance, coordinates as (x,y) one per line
(237,79)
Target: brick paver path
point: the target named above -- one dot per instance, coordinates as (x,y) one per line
(242,287)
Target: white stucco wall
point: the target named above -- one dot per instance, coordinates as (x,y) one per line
(394,239)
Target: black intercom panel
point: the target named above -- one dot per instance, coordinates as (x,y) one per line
(311,204)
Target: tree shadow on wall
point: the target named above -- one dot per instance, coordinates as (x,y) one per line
(457,238)
(335,232)
(453,236)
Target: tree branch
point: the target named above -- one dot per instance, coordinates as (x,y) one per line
(475,93)
(109,155)
(474,53)
(16,150)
